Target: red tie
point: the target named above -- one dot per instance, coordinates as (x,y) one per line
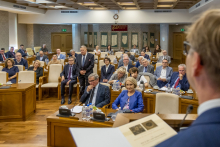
(177,83)
(3,57)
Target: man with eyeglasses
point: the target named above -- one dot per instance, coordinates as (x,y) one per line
(145,67)
(126,63)
(20,61)
(163,73)
(68,77)
(96,93)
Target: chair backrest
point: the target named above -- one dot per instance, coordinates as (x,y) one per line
(42,63)
(167,103)
(101,63)
(62,61)
(96,57)
(103,54)
(148,53)
(3,77)
(78,52)
(118,54)
(112,57)
(92,53)
(26,77)
(95,68)
(64,53)
(106,84)
(138,89)
(20,67)
(148,80)
(1,67)
(15,50)
(37,49)
(158,64)
(132,53)
(29,51)
(159,54)
(54,73)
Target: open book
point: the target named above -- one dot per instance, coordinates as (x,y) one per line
(146,132)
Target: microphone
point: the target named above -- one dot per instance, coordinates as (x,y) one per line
(189,110)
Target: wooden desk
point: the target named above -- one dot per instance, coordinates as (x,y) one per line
(18,102)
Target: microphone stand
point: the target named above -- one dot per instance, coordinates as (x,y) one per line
(189,110)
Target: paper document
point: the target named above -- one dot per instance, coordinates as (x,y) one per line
(165,89)
(77,109)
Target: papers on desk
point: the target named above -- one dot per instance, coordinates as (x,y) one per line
(145,132)
(164,89)
(77,109)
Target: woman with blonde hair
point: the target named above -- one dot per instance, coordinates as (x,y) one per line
(129,99)
(120,76)
(53,61)
(11,70)
(37,69)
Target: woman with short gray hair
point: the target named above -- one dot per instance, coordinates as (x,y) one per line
(120,76)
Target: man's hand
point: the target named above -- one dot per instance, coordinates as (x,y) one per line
(62,79)
(89,88)
(164,80)
(68,82)
(111,82)
(181,76)
(9,79)
(105,80)
(82,72)
(159,79)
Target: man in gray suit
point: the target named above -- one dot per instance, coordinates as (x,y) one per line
(165,56)
(163,73)
(145,67)
(120,62)
(41,57)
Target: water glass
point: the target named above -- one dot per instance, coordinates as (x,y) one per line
(113,117)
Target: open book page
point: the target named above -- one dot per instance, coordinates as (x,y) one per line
(147,132)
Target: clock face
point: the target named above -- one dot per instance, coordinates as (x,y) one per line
(116,16)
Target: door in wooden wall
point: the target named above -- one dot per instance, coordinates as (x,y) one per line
(63,41)
(178,39)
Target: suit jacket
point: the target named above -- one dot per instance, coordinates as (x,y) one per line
(184,84)
(39,72)
(102,96)
(160,59)
(150,69)
(10,55)
(147,57)
(204,132)
(62,56)
(1,57)
(75,55)
(108,74)
(88,65)
(135,104)
(22,62)
(23,54)
(169,72)
(132,58)
(137,64)
(120,62)
(65,72)
(44,58)
(129,66)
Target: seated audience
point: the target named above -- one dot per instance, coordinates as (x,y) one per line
(179,79)
(165,56)
(145,67)
(139,62)
(73,54)
(3,55)
(146,49)
(53,61)
(146,56)
(59,55)
(22,51)
(97,50)
(11,70)
(20,61)
(120,75)
(41,56)
(68,77)
(157,49)
(39,70)
(120,62)
(109,50)
(122,50)
(95,93)
(129,99)
(163,73)
(107,70)
(131,57)
(44,49)
(134,73)
(126,64)
(135,50)
(11,53)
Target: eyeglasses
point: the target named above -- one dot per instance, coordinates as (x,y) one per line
(164,62)
(91,81)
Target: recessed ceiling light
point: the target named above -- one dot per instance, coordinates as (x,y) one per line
(164,5)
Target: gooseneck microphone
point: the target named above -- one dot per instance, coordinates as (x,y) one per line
(189,110)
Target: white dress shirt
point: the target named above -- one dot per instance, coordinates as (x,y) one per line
(142,79)
(58,56)
(95,93)
(106,67)
(126,67)
(163,73)
(41,58)
(208,105)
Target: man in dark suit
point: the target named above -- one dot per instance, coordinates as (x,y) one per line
(3,55)
(179,79)
(146,56)
(107,70)
(84,66)
(68,77)
(41,56)
(131,57)
(126,64)
(11,53)
(96,93)
(145,67)
(203,53)
(20,61)
(22,51)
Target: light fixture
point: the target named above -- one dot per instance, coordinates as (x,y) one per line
(165,6)
(88,4)
(126,3)
(159,1)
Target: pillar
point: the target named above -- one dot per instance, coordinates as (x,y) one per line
(13,35)
(76,37)
(164,37)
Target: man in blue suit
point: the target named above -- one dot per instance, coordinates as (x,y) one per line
(20,61)
(107,70)
(203,53)
(139,62)
(22,51)
(59,55)
(179,79)
(126,63)
(163,73)
(96,93)
(3,55)
(11,53)
(145,55)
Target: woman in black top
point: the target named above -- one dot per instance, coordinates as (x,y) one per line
(37,69)
(157,49)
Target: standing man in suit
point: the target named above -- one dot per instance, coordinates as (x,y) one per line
(22,51)
(59,55)
(84,65)
(145,67)
(107,70)
(96,93)
(179,79)
(126,63)
(3,55)
(68,77)
(20,61)
(165,56)
(203,73)
(41,56)
(163,73)
(11,53)
(146,56)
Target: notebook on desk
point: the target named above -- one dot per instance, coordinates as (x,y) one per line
(5,87)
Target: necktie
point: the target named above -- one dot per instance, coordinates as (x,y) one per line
(13,54)
(145,69)
(70,68)
(92,94)
(3,57)
(83,62)
(177,83)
